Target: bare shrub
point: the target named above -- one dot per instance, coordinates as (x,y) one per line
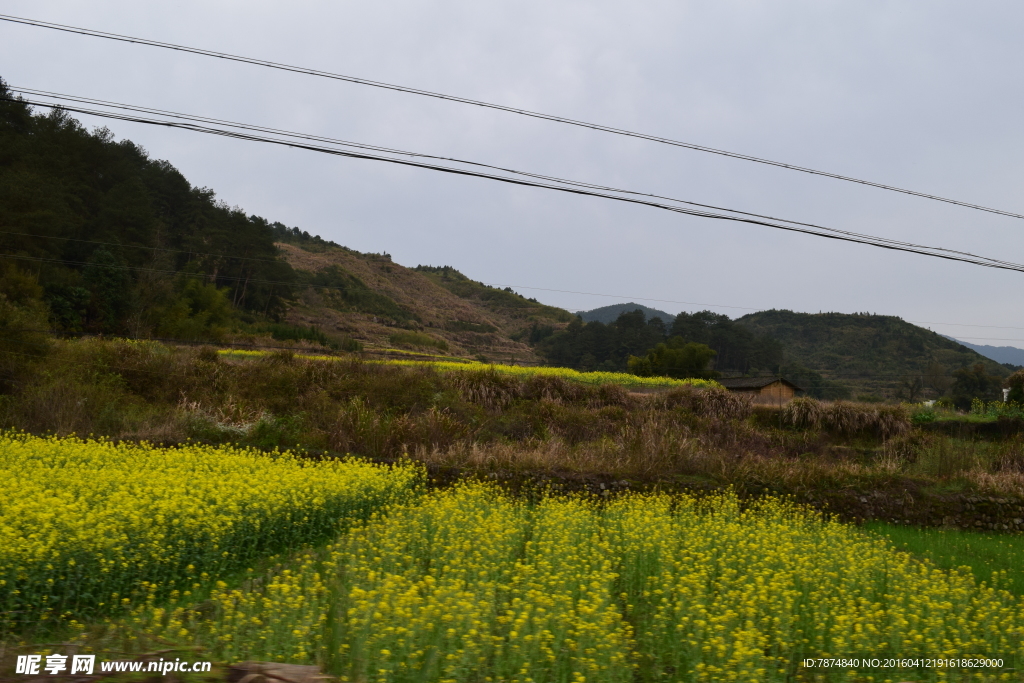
(803,413)
(721,404)
(492,390)
(898,453)
(1000,483)
(848,419)
(361,430)
(612,395)
(845,418)
(891,421)
(713,403)
(554,389)
(1011,457)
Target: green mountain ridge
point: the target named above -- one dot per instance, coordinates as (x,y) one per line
(871,354)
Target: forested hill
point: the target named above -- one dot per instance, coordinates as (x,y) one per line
(98,238)
(121,243)
(872,354)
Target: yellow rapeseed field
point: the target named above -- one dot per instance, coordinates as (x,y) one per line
(470,585)
(591,378)
(86,525)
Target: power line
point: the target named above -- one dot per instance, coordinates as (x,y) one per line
(289,133)
(574,188)
(555,179)
(500,107)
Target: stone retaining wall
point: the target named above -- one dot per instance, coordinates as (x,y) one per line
(952,510)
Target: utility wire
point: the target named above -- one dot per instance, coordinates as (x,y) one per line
(846,236)
(555,179)
(341,142)
(500,107)
(478,164)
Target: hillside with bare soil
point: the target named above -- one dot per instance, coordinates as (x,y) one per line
(382,304)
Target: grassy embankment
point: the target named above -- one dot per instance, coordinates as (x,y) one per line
(483,419)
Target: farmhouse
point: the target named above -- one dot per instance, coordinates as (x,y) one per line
(762,389)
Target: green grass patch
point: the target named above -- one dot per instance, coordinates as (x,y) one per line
(993,558)
(418,339)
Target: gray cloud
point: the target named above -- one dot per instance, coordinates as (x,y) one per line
(918,95)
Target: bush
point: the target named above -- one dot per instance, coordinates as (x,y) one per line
(418,339)
(285,332)
(24,339)
(202,311)
(847,418)
(1016,384)
(674,358)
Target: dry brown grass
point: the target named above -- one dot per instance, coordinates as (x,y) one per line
(487,421)
(849,419)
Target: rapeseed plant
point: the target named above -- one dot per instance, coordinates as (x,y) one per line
(471,585)
(86,524)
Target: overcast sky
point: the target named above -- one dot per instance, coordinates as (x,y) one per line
(920,95)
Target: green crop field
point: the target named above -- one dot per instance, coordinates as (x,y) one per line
(995,558)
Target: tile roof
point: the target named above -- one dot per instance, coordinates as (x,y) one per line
(753,382)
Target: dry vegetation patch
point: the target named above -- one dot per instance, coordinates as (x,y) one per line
(479,420)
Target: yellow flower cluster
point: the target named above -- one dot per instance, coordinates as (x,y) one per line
(591,378)
(724,594)
(469,585)
(85,525)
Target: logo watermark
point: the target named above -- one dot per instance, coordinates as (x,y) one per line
(88,665)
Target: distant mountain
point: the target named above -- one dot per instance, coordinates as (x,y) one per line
(1010,355)
(872,354)
(608,314)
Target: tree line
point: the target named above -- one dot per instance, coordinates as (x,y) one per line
(703,344)
(711,345)
(120,243)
